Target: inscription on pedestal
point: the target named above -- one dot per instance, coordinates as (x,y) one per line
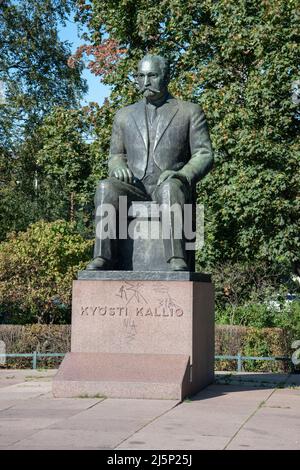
(132,293)
(103,311)
(130,315)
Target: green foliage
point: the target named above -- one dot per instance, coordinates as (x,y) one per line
(264,343)
(263,315)
(33,65)
(66,154)
(239,283)
(34,77)
(36,272)
(259,340)
(229,340)
(256,295)
(36,337)
(56,173)
(72,158)
(26,196)
(238,60)
(250,341)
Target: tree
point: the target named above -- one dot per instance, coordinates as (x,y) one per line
(238,60)
(71,156)
(34,77)
(33,65)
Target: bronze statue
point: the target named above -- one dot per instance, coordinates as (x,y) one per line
(160,148)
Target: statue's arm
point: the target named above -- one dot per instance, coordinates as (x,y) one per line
(117,152)
(202,159)
(117,161)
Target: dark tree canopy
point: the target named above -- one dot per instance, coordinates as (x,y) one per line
(33,65)
(238,60)
(34,77)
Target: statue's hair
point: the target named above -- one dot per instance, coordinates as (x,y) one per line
(163,62)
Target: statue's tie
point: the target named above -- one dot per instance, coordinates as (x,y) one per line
(152,114)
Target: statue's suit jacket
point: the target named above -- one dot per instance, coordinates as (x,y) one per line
(182,140)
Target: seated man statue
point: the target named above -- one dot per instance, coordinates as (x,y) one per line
(160,148)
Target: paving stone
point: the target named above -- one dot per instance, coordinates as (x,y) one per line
(55,439)
(270,428)
(6,403)
(112,415)
(46,402)
(22,374)
(209,422)
(285,398)
(15,429)
(133,408)
(265,417)
(173,442)
(10,437)
(224,394)
(25,390)
(105,423)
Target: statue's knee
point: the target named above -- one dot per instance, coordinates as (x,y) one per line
(170,190)
(106,185)
(163,189)
(105,189)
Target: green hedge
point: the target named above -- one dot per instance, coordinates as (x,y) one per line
(37,337)
(249,341)
(229,340)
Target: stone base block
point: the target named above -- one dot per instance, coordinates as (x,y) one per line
(139,338)
(153,376)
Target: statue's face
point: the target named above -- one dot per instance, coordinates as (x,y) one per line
(151,80)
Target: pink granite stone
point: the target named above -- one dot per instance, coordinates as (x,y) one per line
(123,375)
(150,339)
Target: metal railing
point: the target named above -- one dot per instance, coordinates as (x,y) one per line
(35,356)
(239,358)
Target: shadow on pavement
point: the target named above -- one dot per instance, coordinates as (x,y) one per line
(246,381)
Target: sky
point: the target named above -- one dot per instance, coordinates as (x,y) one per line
(97,91)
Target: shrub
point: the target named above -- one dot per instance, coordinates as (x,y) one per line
(37,337)
(36,272)
(237,284)
(263,315)
(247,341)
(229,340)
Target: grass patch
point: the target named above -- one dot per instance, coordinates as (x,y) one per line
(85,395)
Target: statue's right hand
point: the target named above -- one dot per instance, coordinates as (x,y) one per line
(123,174)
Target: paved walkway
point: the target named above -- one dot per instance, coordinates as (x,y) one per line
(239,411)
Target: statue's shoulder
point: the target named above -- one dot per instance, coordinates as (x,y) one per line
(126,110)
(189,106)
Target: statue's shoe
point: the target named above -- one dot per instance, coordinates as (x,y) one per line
(178,264)
(97,263)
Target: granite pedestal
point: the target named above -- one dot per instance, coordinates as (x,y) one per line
(139,335)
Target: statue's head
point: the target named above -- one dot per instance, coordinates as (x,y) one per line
(153,76)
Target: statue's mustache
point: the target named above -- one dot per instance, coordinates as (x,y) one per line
(154,90)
